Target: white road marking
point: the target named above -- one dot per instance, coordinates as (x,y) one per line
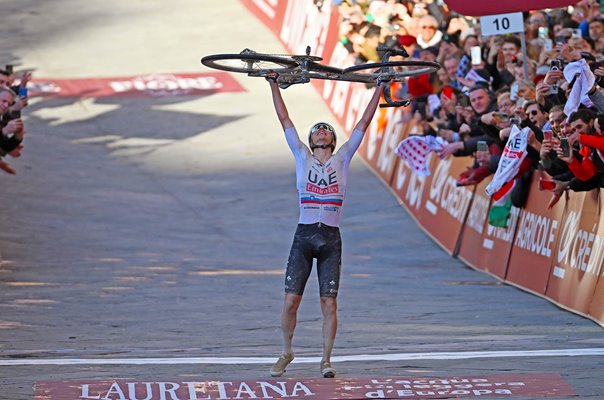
(303,360)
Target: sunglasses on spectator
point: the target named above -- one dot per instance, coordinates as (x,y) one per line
(428,27)
(319,126)
(533,112)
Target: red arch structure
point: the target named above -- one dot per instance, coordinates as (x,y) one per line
(480,7)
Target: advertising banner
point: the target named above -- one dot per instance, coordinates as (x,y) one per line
(151,85)
(579,252)
(434,201)
(535,240)
(480,248)
(382,137)
(496,246)
(270,12)
(417,387)
(596,308)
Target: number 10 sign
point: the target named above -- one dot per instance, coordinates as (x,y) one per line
(501,23)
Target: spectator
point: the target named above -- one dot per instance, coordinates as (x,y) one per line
(429,35)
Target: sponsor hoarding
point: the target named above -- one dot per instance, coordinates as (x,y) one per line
(540,385)
(535,240)
(577,261)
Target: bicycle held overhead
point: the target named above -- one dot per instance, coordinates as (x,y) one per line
(297,69)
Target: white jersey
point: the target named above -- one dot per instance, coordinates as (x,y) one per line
(322,187)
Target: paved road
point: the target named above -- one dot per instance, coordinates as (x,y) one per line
(159,227)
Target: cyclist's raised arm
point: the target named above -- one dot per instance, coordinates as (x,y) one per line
(280,108)
(367,116)
(352,144)
(291,135)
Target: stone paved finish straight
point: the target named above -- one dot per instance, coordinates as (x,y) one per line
(159,227)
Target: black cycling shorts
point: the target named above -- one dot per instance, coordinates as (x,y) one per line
(318,241)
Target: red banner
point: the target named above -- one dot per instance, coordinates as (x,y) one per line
(484,246)
(550,385)
(380,141)
(152,85)
(578,259)
(480,7)
(596,308)
(444,205)
(535,240)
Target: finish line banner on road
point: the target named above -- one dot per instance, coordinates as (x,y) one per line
(151,85)
(542,385)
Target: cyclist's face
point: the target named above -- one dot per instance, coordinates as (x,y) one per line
(322,133)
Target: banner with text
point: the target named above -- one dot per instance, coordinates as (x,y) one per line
(596,308)
(152,85)
(539,385)
(535,240)
(578,255)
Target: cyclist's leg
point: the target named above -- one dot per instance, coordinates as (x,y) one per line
(329,261)
(298,270)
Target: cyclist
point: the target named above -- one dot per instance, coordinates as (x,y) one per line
(321,181)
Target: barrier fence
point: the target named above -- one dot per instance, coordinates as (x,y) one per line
(557,254)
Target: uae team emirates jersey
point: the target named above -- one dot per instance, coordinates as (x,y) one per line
(322,187)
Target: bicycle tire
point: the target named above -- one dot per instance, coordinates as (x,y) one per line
(249,63)
(412,68)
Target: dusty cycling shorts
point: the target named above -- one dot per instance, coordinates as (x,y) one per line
(311,241)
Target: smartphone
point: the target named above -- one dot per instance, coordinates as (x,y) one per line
(561,39)
(482,146)
(464,101)
(22,91)
(555,65)
(577,33)
(514,91)
(564,146)
(543,32)
(548,135)
(548,45)
(476,55)
(515,121)
(546,184)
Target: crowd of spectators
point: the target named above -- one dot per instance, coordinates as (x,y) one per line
(13,98)
(487,85)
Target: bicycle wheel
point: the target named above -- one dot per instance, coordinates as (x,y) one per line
(249,63)
(392,70)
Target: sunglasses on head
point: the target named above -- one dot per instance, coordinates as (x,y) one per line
(319,126)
